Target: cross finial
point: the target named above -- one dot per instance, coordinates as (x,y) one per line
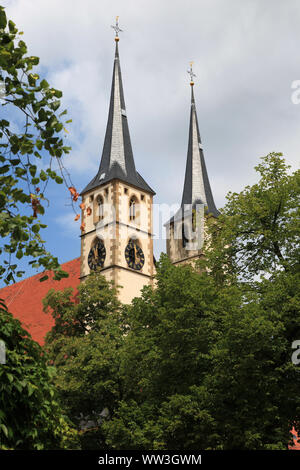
(191,73)
(117,29)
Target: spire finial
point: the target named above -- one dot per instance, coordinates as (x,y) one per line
(191,74)
(117,29)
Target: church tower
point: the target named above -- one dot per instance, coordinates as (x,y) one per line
(117,206)
(186,229)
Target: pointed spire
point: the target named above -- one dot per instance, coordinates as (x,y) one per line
(196,185)
(117,158)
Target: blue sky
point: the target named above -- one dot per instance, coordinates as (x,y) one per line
(246,57)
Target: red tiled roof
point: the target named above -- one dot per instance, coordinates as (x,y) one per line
(24,299)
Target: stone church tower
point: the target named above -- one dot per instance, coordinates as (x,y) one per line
(117,206)
(186,229)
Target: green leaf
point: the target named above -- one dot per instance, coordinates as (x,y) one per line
(2,426)
(55,105)
(32,170)
(30,389)
(42,115)
(32,79)
(12,27)
(15,161)
(44,84)
(3,20)
(59,180)
(39,144)
(19,254)
(34,60)
(57,93)
(43,175)
(10,377)
(35,228)
(4,169)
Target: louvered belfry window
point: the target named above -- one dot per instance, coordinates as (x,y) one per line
(132,208)
(101,207)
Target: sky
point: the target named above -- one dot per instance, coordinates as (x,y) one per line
(246,58)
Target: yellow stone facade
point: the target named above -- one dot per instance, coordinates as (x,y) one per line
(116,228)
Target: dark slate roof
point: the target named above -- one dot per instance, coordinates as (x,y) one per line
(196,188)
(117,163)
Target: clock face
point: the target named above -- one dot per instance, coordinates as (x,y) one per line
(97,255)
(134,256)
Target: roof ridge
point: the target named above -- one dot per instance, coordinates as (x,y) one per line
(35,275)
(21,287)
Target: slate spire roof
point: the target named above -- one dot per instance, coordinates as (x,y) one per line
(196,184)
(196,189)
(117,158)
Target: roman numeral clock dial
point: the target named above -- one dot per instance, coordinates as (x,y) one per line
(134,256)
(97,255)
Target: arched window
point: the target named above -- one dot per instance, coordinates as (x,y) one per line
(100,207)
(132,211)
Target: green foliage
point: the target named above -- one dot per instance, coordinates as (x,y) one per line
(259,227)
(96,298)
(85,346)
(30,416)
(30,138)
(215,373)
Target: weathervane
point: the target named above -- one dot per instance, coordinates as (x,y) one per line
(191,73)
(117,29)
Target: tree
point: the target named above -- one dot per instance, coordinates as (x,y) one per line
(165,358)
(30,416)
(84,346)
(31,143)
(253,383)
(258,231)
(206,367)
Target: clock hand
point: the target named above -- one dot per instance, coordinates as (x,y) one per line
(95,252)
(136,255)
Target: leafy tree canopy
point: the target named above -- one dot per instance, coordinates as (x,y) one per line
(85,346)
(30,416)
(208,367)
(258,231)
